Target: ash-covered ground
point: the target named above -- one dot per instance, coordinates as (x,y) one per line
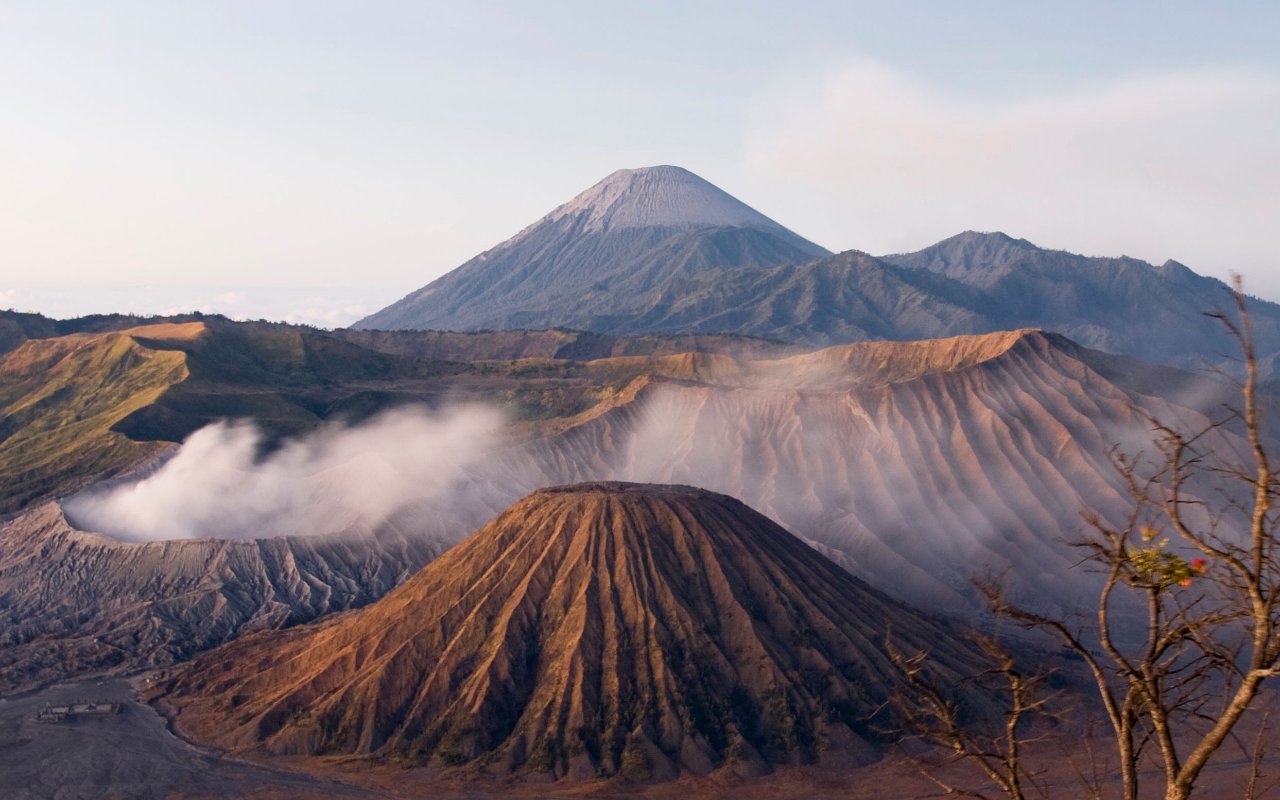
(127,754)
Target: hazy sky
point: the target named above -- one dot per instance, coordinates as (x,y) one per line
(317,160)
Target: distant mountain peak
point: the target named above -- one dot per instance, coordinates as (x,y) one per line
(972,237)
(625,239)
(663,196)
(979,243)
(968,251)
(1171,267)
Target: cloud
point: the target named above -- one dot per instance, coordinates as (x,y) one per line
(339,478)
(1180,164)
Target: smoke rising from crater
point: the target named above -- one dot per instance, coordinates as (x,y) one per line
(338,478)
(921,484)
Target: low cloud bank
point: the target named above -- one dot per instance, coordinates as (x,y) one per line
(338,478)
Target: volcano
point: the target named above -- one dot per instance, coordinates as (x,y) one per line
(593,630)
(603,260)
(659,250)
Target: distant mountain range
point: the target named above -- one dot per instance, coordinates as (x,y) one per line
(660,250)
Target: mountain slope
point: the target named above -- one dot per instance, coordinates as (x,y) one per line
(89,405)
(73,602)
(600,254)
(659,250)
(918,465)
(971,284)
(61,398)
(849,297)
(1120,305)
(590,630)
(915,465)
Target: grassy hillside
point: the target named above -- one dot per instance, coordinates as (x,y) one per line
(60,399)
(85,405)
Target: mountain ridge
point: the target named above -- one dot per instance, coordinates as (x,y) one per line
(605,264)
(913,464)
(1105,303)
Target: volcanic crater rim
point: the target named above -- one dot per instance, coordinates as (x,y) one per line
(629,488)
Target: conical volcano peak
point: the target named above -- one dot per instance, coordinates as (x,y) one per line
(662,197)
(621,512)
(623,515)
(627,237)
(588,631)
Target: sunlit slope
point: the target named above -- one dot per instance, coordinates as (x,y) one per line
(588,631)
(919,465)
(89,405)
(60,399)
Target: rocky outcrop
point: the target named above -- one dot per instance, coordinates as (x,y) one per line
(73,602)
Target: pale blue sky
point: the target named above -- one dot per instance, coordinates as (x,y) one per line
(315,160)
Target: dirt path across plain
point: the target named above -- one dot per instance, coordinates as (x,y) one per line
(130,754)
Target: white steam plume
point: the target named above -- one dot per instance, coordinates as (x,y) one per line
(335,479)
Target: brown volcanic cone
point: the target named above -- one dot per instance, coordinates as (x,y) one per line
(597,629)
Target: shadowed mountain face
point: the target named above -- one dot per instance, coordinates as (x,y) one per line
(602,256)
(1120,305)
(590,630)
(972,284)
(74,602)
